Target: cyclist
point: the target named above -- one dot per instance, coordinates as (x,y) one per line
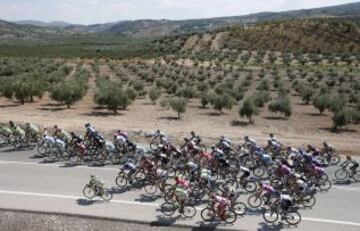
(96,183)
(62,134)
(78,141)
(268,189)
(285,201)
(130,168)
(5,132)
(222,205)
(205,176)
(32,131)
(328,148)
(181,196)
(18,132)
(354,164)
(245,175)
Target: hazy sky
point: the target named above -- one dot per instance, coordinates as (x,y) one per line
(101,11)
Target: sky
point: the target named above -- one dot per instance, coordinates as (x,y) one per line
(102,11)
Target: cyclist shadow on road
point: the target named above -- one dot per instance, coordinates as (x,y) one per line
(116,190)
(164,221)
(147,198)
(86,202)
(272,227)
(342,182)
(214,225)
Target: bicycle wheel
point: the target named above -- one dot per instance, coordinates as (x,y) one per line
(325,185)
(324,177)
(230,217)
(140,176)
(123,159)
(114,159)
(189,211)
(335,159)
(248,162)
(254,201)
(356,176)
(239,208)
(106,195)
(232,184)
(42,149)
(341,174)
(121,181)
(168,209)
(75,159)
(250,186)
(308,201)
(88,192)
(207,214)
(270,216)
(259,172)
(151,189)
(293,218)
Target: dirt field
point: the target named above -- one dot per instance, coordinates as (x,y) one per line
(305,125)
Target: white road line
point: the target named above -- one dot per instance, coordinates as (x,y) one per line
(346,188)
(57,165)
(331,221)
(156,205)
(72,197)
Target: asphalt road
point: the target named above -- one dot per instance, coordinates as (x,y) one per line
(29,184)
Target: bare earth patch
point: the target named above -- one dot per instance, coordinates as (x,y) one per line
(305,125)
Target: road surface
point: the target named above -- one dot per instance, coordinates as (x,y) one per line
(27,183)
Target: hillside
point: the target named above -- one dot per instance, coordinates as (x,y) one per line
(13,32)
(43,24)
(151,28)
(326,35)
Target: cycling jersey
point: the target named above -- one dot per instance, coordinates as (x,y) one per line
(181,193)
(162,174)
(129,166)
(205,173)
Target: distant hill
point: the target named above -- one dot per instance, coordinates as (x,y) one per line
(151,28)
(314,35)
(157,28)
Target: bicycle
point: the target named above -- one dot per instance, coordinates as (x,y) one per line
(344,173)
(168,209)
(291,216)
(209,214)
(90,192)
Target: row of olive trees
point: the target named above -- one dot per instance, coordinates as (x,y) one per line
(113,95)
(31,82)
(69,91)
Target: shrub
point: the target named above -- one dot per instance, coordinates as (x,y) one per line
(321,102)
(112,96)
(68,92)
(260,98)
(223,101)
(343,117)
(248,109)
(281,105)
(154,94)
(178,105)
(337,103)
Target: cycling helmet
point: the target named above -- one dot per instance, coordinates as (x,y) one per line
(87,125)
